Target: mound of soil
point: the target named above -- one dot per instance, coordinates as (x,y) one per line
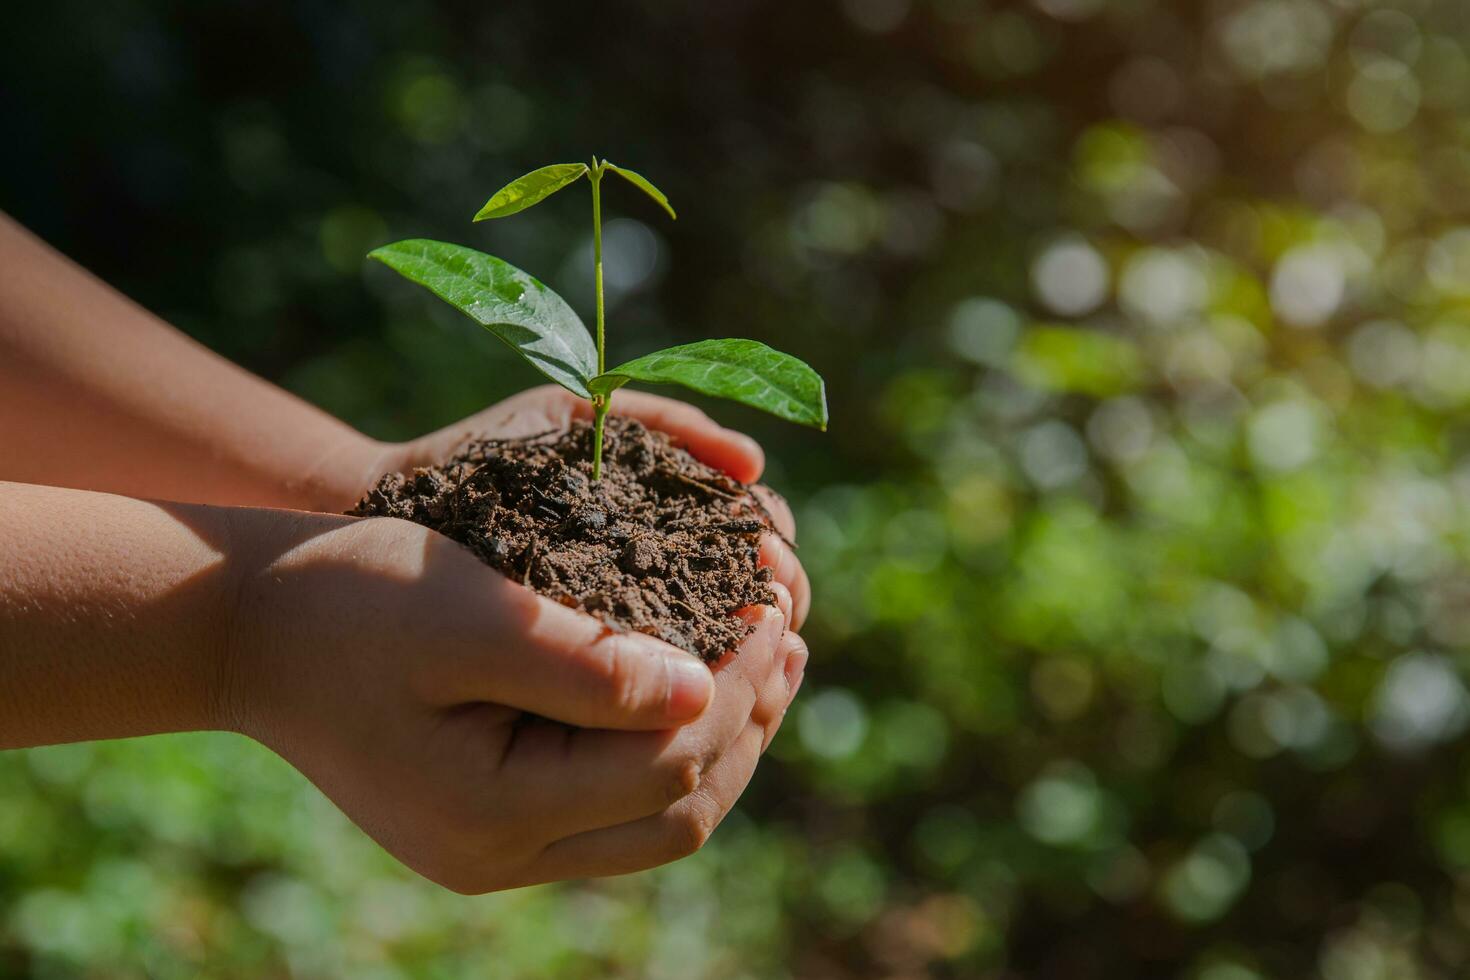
(661,544)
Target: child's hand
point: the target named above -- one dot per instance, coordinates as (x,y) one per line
(413,685)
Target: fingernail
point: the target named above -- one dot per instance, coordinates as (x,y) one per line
(690,687)
(783,600)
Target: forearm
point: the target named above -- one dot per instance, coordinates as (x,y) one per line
(97,393)
(114,615)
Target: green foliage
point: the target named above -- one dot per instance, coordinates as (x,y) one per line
(532,319)
(540,326)
(527,191)
(744,371)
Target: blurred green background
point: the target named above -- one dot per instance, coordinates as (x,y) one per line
(1140,537)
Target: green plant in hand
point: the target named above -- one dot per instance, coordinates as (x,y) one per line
(540,326)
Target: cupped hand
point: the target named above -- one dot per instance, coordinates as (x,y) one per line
(551,408)
(486,736)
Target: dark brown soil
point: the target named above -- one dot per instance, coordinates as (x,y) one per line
(662,544)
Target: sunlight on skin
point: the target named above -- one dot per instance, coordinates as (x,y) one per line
(111,611)
(375,653)
(148,412)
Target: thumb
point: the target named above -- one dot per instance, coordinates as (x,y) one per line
(567,666)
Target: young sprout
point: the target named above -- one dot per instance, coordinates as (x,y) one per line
(540,326)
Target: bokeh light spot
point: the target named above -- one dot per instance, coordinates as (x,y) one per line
(983,330)
(1207,881)
(1162,286)
(1062,807)
(1070,277)
(1285,435)
(1420,701)
(833,723)
(1307,285)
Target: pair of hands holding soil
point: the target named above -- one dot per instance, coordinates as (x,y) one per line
(448,657)
(486,736)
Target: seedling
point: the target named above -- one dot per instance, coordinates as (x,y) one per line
(541,327)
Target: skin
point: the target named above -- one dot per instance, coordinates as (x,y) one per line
(487,737)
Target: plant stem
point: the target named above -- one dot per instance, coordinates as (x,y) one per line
(596,176)
(599,402)
(599,415)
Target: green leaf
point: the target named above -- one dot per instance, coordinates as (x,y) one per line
(642,183)
(535,186)
(536,322)
(741,370)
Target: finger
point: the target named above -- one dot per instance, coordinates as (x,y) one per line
(574,780)
(667,836)
(541,657)
(725,449)
(783,599)
(770,706)
(684,826)
(792,655)
(778,508)
(786,568)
